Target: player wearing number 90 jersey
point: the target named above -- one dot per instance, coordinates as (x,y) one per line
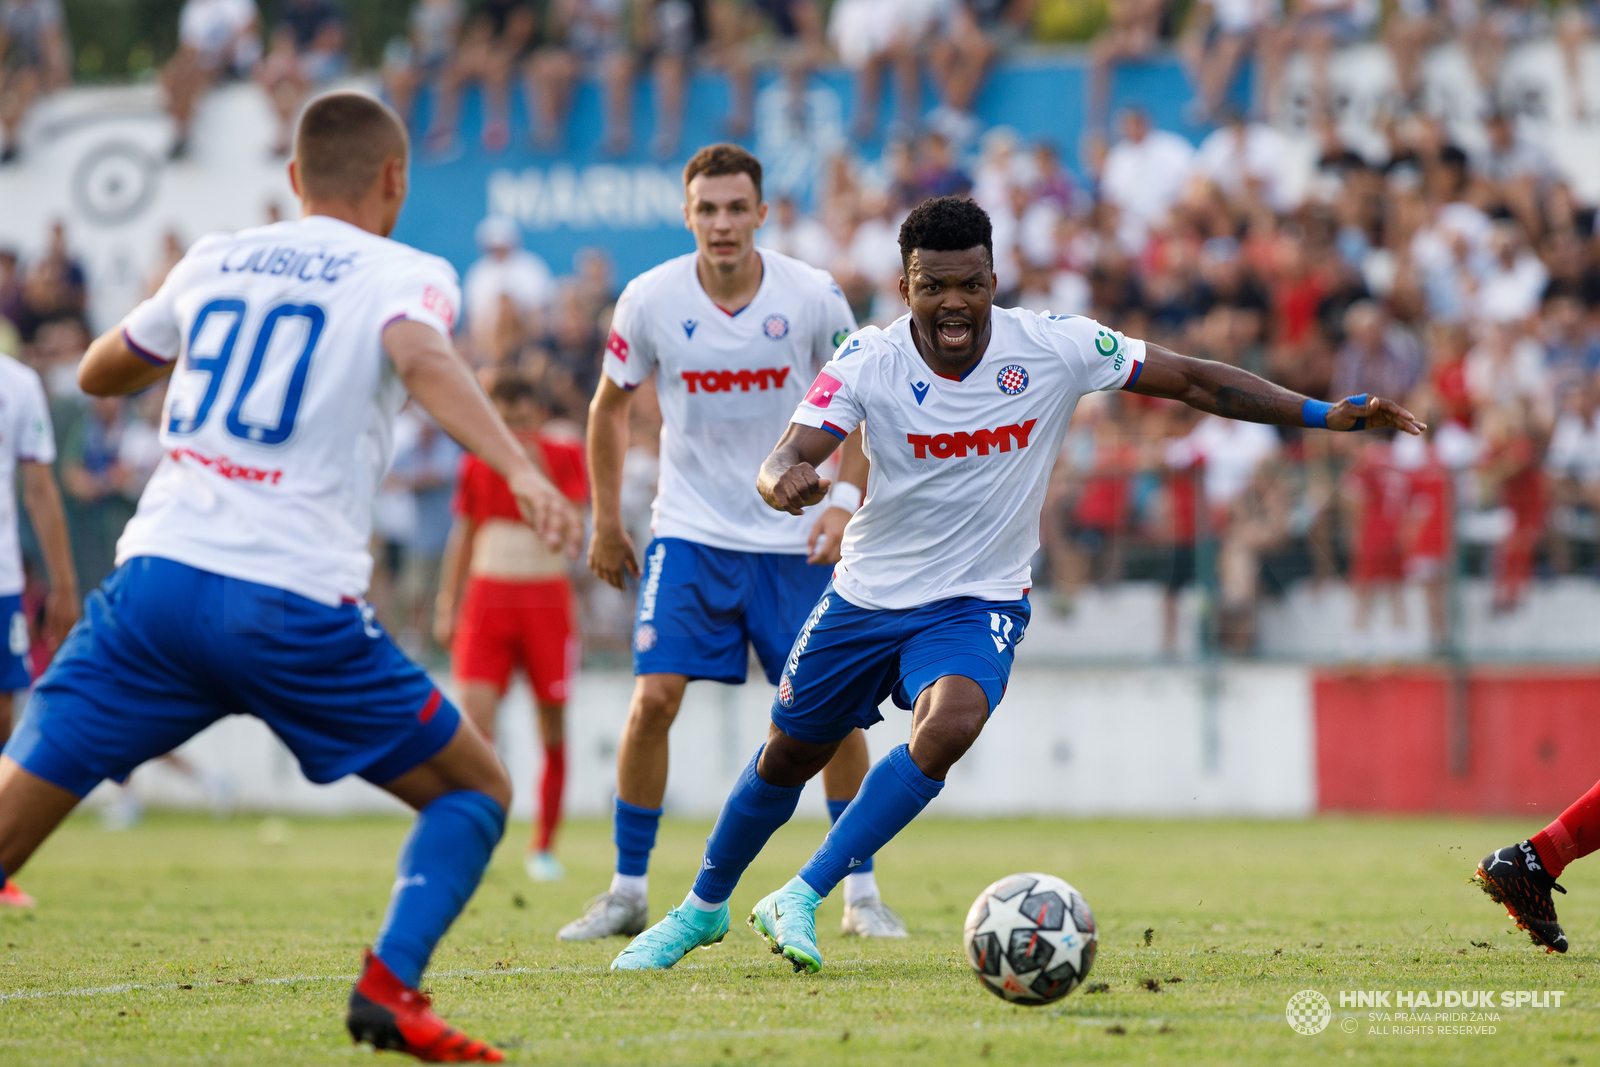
(238,585)
(279,419)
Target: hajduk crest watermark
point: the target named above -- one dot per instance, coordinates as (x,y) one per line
(1416,1012)
(1308,1012)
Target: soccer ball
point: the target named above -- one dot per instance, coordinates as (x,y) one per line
(1030,938)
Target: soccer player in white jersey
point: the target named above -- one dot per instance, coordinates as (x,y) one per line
(239,581)
(964,406)
(28,448)
(733,334)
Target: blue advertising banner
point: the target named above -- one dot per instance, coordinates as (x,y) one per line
(632,205)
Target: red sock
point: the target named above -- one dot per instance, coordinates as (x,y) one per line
(551,788)
(1572,836)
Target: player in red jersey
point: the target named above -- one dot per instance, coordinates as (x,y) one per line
(517,608)
(1425,533)
(1380,491)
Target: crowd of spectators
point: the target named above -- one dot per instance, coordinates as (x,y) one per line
(547,47)
(1465,285)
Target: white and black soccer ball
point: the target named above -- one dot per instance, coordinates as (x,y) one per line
(1030,938)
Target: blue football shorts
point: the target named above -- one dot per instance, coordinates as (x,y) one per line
(848,659)
(700,608)
(164,650)
(14,648)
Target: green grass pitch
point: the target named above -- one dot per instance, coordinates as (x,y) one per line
(190,941)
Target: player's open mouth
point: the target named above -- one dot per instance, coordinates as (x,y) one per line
(955,333)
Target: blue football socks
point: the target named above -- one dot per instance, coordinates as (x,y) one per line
(440,865)
(752,812)
(836,809)
(634,830)
(895,792)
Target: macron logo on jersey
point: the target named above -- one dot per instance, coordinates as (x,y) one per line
(945,445)
(724,381)
(822,390)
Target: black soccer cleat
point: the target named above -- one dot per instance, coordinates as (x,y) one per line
(1515,878)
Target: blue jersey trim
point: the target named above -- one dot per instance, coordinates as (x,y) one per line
(143,353)
(963,376)
(1138,368)
(831,428)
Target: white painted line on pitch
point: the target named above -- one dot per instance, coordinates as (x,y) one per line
(109,990)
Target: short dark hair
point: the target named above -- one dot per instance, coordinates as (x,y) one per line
(343,141)
(512,388)
(715,160)
(946,224)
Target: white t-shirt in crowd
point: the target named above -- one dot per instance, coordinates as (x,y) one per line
(807,240)
(1232,451)
(25,437)
(207,26)
(1144,180)
(522,275)
(1233,156)
(279,420)
(959,466)
(727,385)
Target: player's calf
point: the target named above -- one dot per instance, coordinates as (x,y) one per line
(1515,878)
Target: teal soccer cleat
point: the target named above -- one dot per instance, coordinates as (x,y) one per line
(685,929)
(787,920)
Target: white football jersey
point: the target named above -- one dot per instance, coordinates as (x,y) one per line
(279,420)
(959,466)
(26,437)
(728,384)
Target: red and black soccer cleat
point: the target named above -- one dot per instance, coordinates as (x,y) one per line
(12,896)
(388,1014)
(1514,877)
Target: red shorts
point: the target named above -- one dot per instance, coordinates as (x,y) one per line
(530,625)
(1377,563)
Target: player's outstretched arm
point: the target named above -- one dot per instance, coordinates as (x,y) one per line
(111,368)
(611,552)
(446,389)
(788,480)
(1237,394)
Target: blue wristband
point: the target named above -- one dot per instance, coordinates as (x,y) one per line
(1314,413)
(1360,402)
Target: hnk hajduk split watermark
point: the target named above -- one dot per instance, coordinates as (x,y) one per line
(1415,1012)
